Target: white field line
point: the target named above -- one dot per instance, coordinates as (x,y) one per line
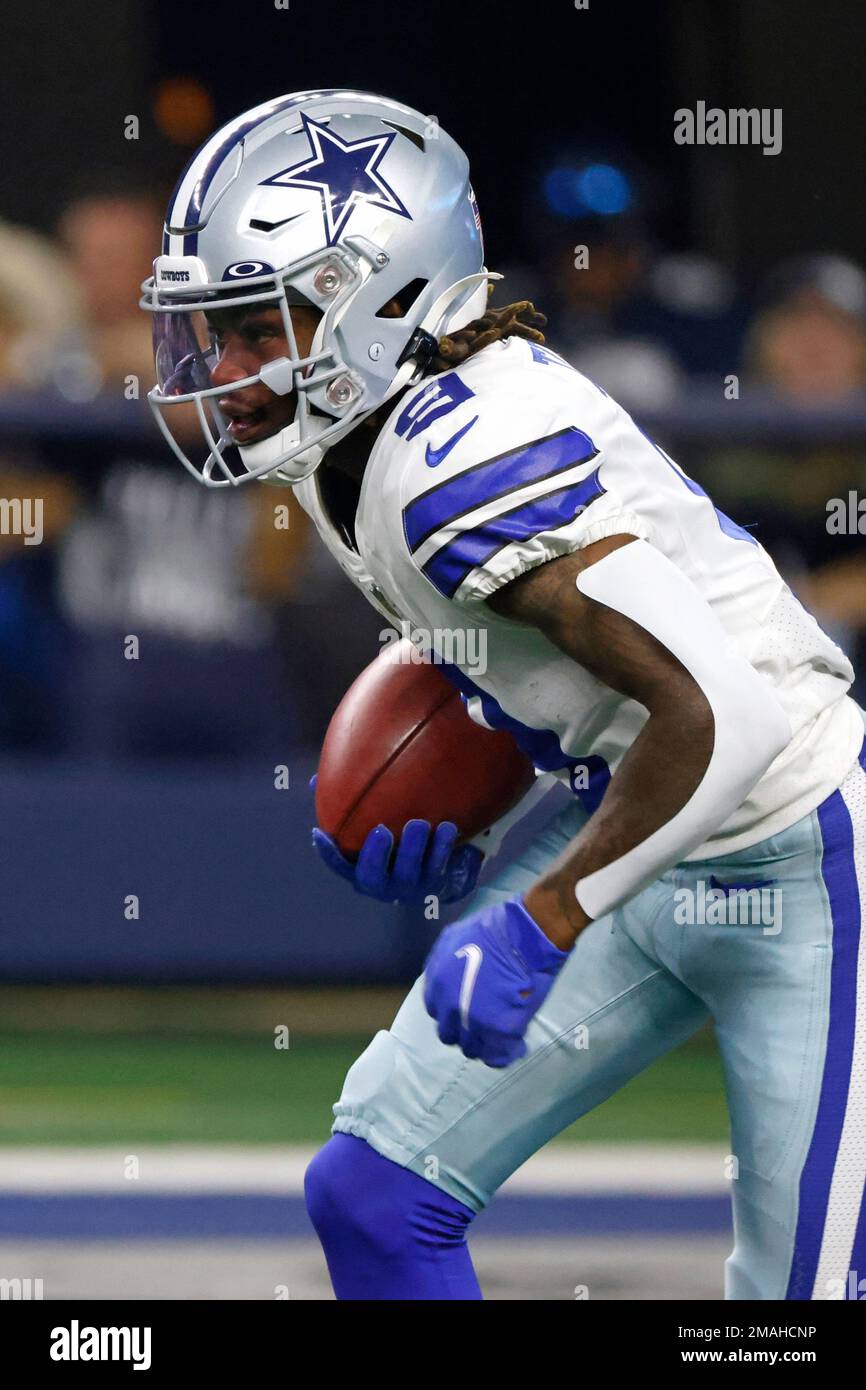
(588,1169)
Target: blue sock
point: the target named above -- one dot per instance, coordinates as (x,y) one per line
(386,1232)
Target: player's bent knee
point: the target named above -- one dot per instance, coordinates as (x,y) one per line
(354,1194)
(337,1198)
(386,1232)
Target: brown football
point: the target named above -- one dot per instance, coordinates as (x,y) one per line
(401,747)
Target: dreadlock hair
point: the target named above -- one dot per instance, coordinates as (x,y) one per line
(520,320)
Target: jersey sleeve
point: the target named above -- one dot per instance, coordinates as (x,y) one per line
(477,530)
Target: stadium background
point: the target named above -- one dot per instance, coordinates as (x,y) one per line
(153,1126)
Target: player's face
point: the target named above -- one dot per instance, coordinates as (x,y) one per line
(245,339)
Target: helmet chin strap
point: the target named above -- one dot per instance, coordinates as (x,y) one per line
(257,456)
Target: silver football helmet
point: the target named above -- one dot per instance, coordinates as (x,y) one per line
(335,200)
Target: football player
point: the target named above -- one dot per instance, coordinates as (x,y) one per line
(320,303)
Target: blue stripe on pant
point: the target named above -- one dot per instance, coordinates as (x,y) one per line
(841,881)
(839,872)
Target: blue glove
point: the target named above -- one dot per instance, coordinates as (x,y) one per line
(426,863)
(485,979)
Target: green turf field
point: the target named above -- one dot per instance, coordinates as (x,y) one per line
(73,1087)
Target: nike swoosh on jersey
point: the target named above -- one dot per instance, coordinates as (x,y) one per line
(433,457)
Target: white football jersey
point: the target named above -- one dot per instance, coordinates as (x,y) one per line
(514,458)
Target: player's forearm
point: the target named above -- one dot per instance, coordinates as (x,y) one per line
(655,780)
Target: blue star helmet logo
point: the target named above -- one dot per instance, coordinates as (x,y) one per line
(345,173)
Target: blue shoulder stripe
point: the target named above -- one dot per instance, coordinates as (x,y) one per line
(493,478)
(448,568)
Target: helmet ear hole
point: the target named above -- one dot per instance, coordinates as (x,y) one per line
(402,301)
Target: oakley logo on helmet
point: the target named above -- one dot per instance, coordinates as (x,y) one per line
(242,269)
(344,173)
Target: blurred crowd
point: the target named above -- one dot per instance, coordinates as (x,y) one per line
(226,608)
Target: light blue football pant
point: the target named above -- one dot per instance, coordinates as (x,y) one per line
(786,990)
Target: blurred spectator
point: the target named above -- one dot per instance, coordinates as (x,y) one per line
(590,306)
(807,345)
(808,342)
(111,229)
(39,306)
(637,321)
